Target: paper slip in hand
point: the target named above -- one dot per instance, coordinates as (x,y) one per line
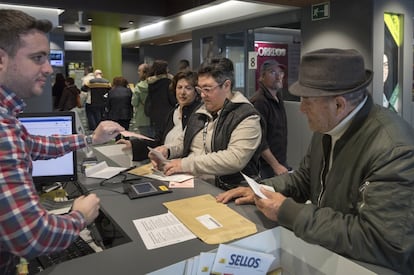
(132,134)
(254,185)
(103,171)
(160,157)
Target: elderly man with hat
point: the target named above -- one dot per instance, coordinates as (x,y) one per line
(358,172)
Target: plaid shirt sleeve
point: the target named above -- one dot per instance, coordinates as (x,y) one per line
(26,229)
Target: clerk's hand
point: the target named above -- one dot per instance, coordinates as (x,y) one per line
(241,195)
(270,206)
(88,206)
(173,167)
(106,131)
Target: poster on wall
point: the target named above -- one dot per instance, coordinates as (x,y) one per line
(393,37)
(278,52)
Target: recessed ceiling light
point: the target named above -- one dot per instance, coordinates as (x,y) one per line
(131,22)
(89,19)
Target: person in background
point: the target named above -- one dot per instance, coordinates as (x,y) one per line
(70,95)
(139,95)
(98,88)
(85,93)
(184,65)
(269,102)
(27,229)
(160,100)
(118,103)
(188,99)
(358,172)
(88,75)
(57,89)
(222,137)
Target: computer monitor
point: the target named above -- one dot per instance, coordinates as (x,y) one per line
(56,58)
(62,169)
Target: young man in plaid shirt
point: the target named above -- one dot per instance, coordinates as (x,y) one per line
(26,229)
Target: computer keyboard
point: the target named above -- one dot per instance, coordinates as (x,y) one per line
(77,249)
(50,205)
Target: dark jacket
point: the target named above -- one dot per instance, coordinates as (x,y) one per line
(68,98)
(365,210)
(99,88)
(160,101)
(118,105)
(139,146)
(274,116)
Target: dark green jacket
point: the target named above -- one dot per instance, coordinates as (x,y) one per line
(366,210)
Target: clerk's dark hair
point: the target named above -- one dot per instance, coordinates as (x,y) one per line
(13,24)
(220,68)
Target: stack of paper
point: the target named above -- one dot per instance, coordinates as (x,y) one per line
(228,259)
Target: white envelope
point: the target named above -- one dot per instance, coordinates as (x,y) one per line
(103,171)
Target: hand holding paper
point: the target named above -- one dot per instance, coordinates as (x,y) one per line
(132,134)
(157,157)
(255,186)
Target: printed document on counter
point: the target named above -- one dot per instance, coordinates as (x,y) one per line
(162,230)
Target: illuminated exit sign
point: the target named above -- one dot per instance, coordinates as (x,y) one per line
(320,11)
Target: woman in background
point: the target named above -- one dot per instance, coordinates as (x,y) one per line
(160,100)
(118,104)
(183,86)
(57,89)
(140,120)
(69,97)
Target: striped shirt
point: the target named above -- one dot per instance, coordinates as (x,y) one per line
(26,229)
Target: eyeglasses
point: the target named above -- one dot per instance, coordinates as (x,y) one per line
(277,73)
(207,90)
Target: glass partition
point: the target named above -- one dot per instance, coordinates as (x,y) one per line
(393,38)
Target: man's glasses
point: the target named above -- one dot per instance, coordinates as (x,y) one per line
(276,73)
(207,90)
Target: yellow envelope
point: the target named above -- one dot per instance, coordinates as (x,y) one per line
(142,170)
(212,222)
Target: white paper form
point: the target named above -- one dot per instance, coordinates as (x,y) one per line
(103,171)
(158,175)
(116,154)
(162,230)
